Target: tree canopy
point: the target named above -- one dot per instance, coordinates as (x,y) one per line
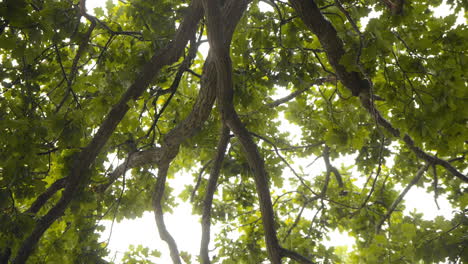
(98,111)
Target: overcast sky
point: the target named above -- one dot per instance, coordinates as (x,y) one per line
(186,229)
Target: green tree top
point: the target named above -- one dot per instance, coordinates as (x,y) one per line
(85,98)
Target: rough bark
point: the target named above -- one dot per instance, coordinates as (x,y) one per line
(222,61)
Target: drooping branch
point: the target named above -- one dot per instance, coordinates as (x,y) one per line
(210,190)
(299,177)
(307,146)
(158,193)
(175,83)
(296,221)
(400,197)
(374,182)
(435,186)
(333,45)
(79,171)
(289,97)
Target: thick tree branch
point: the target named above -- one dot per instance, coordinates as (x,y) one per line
(210,190)
(79,171)
(233,9)
(207,94)
(295,256)
(222,60)
(328,37)
(192,123)
(225,94)
(45,196)
(433,159)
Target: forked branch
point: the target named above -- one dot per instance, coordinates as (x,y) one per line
(229,116)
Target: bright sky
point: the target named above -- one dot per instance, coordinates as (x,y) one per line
(186,229)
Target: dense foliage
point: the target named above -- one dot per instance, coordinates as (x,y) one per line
(127,85)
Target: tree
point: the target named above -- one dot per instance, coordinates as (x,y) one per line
(78,91)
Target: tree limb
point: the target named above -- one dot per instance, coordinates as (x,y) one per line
(333,45)
(291,96)
(232,9)
(395,203)
(301,179)
(175,83)
(158,193)
(210,190)
(79,171)
(331,168)
(134,159)
(229,116)
(45,196)
(81,48)
(310,14)
(295,256)
(200,174)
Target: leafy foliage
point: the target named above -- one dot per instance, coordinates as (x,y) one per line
(85,98)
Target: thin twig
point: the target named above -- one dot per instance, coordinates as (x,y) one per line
(200,175)
(395,203)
